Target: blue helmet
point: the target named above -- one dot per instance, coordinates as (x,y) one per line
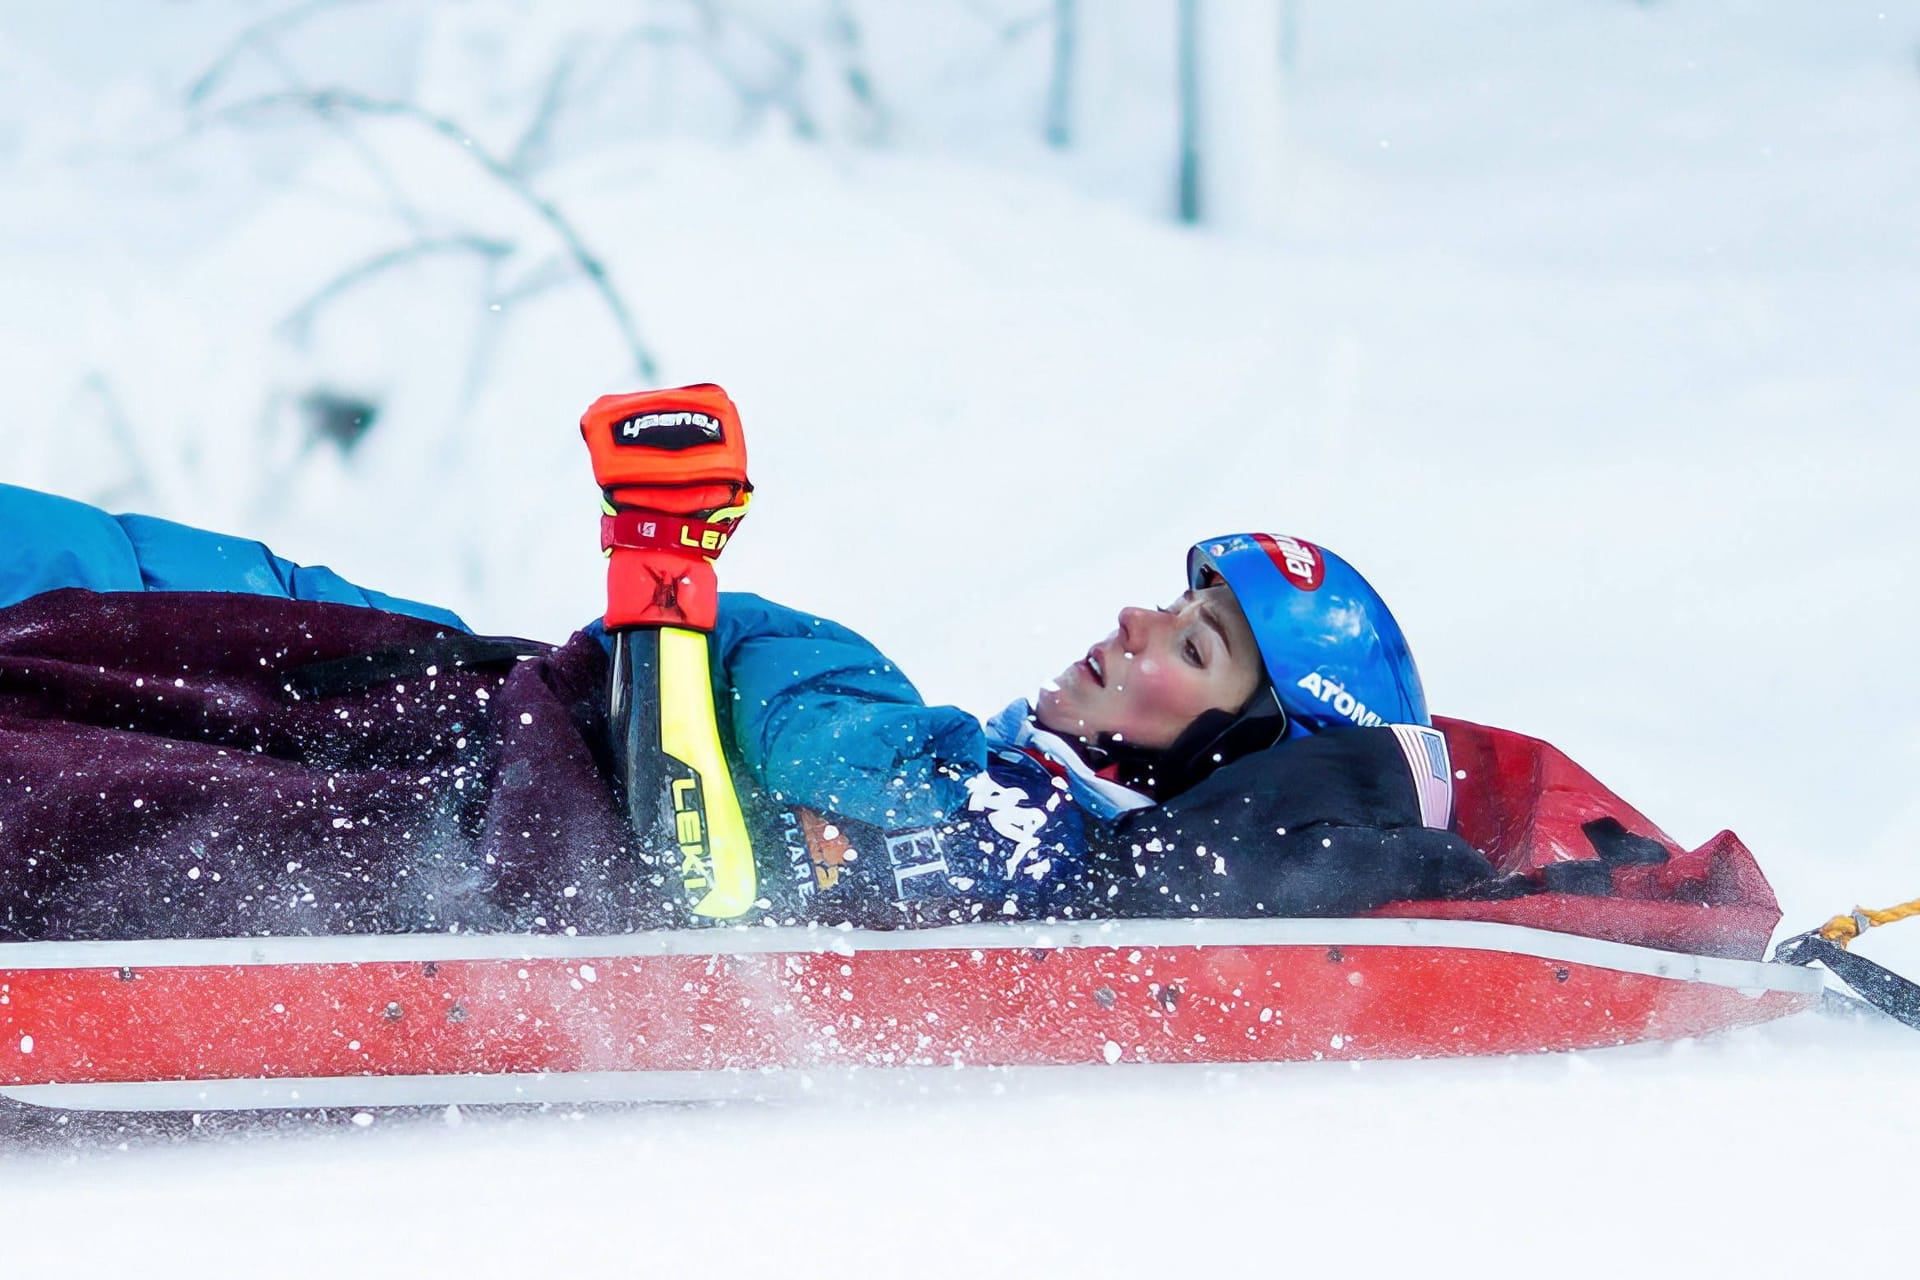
(1334,653)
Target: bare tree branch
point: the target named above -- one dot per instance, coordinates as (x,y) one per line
(1008,30)
(257,37)
(548,274)
(530,151)
(782,88)
(298,323)
(1189,159)
(327,103)
(1066,32)
(853,69)
(370,159)
(544,276)
(783,94)
(613,55)
(261,38)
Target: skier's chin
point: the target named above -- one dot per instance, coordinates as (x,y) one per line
(1046,707)
(1054,712)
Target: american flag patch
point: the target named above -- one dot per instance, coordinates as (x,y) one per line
(1432,771)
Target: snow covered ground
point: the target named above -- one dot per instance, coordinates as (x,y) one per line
(1586,333)
(1766,1154)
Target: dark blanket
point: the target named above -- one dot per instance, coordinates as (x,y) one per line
(158,778)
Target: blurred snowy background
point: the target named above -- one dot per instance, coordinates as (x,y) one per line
(1576,324)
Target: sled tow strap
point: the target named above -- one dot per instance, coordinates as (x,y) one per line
(1844,929)
(1885,990)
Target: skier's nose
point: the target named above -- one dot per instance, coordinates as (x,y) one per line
(1135,626)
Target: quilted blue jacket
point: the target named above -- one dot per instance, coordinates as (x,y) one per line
(48,542)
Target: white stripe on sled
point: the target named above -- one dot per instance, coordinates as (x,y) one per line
(338,1092)
(409,948)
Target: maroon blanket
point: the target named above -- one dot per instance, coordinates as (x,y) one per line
(158,778)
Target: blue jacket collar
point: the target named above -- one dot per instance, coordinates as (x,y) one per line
(1014,727)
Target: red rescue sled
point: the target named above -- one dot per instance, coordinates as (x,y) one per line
(1649,948)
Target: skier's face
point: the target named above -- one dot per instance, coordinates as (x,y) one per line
(1157,673)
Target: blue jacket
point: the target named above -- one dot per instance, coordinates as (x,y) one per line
(48,542)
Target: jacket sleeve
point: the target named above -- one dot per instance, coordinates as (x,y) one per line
(47,542)
(821,718)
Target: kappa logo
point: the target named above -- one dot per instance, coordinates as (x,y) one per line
(1013,819)
(1335,695)
(1301,561)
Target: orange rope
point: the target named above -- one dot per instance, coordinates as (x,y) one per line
(1844,929)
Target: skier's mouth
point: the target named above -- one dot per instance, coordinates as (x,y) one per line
(1092,663)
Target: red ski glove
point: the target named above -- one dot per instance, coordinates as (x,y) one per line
(673,467)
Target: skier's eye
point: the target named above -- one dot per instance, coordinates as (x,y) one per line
(1193,654)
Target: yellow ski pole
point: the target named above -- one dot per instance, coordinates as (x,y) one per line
(672,468)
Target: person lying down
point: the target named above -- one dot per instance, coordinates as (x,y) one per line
(200,738)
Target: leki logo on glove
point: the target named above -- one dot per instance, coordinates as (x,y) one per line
(1300,561)
(681,429)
